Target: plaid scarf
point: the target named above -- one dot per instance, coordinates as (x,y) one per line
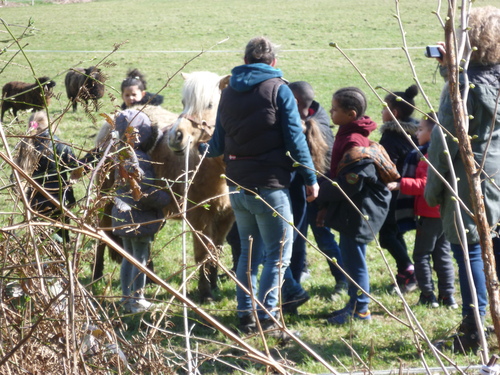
(386,169)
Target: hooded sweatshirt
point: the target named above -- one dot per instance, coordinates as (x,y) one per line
(348,136)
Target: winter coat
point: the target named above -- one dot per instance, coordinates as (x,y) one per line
(47,175)
(253,159)
(361,181)
(415,186)
(481,103)
(395,141)
(128,213)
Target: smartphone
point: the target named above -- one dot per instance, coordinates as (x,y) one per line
(433,51)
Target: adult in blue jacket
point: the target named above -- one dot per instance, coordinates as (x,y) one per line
(257,124)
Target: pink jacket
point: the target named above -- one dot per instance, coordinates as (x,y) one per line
(415,186)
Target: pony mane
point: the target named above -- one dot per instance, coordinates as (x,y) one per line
(198,91)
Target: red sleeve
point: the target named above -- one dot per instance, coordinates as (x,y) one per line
(415,186)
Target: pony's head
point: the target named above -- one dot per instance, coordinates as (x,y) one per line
(200,99)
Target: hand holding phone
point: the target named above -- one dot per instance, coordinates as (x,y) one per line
(433,51)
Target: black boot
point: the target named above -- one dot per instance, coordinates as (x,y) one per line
(467,338)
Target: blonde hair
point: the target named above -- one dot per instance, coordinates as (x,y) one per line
(484,34)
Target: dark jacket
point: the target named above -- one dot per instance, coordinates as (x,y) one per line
(149,207)
(481,105)
(46,174)
(398,146)
(257,124)
(361,182)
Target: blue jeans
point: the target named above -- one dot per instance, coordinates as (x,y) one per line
(325,240)
(132,280)
(354,256)
(477,267)
(258,221)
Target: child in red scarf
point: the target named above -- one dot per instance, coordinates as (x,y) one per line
(355,168)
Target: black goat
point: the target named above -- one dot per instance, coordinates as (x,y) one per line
(21,95)
(84,84)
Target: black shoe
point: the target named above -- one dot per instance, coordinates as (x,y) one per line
(294,302)
(247,324)
(448,302)
(429,300)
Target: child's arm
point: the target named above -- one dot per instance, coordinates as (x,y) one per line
(413,186)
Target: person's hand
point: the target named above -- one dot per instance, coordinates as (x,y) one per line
(312,192)
(442,49)
(393,186)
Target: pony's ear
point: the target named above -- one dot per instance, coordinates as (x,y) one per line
(185,76)
(224,82)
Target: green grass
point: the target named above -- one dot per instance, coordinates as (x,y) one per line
(159,37)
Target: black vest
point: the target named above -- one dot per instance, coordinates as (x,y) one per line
(254,151)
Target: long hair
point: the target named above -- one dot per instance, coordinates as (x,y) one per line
(317,145)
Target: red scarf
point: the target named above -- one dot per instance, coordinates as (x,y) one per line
(351,135)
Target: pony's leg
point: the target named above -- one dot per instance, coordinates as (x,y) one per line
(217,231)
(105,222)
(98,266)
(221,226)
(205,280)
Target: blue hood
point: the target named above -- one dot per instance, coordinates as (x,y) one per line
(244,77)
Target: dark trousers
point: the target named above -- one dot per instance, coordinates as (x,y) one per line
(299,208)
(430,244)
(391,239)
(325,240)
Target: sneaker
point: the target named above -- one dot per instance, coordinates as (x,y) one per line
(247,324)
(294,302)
(343,310)
(137,306)
(449,302)
(346,317)
(428,300)
(305,275)
(407,281)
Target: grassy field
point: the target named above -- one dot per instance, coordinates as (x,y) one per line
(162,37)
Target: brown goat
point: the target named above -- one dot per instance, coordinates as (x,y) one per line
(84,84)
(21,95)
